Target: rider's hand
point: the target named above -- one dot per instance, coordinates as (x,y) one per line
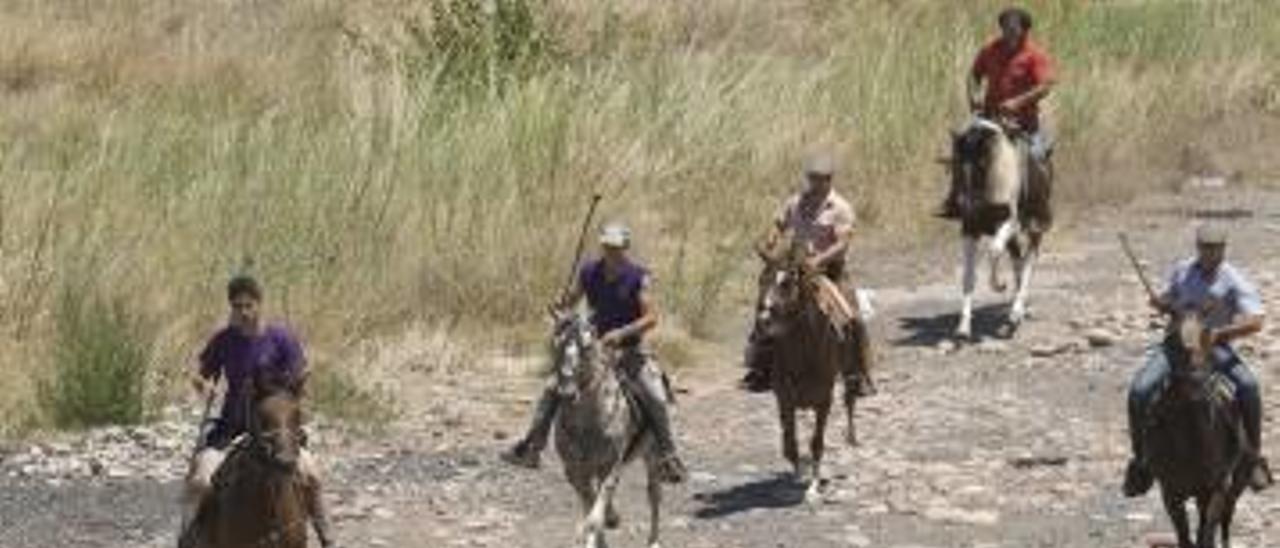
(611,339)
(812,265)
(1010,106)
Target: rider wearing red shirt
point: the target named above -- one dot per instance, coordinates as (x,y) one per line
(1009,78)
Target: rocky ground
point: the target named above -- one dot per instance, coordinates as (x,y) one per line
(1009,442)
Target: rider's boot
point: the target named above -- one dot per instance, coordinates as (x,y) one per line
(527,452)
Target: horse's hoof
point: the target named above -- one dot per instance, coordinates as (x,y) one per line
(612,520)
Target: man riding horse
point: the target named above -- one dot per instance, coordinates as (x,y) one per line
(1231,309)
(1017,74)
(822,221)
(622,312)
(247,349)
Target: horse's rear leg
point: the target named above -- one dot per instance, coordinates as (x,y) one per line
(655,502)
(850,431)
(965,329)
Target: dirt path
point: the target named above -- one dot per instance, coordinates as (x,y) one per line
(1006,443)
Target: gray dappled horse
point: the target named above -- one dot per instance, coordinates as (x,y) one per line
(598,431)
(989,171)
(1196,444)
(808,353)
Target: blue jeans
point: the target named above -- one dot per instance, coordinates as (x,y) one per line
(1152,376)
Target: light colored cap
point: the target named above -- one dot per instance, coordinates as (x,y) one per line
(820,164)
(615,235)
(1211,234)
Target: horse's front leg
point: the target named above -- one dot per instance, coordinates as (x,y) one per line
(817,446)
(790,448)
(1177,511)
(1023,265)
(655,502)
(965,329)
(1212,508)
(999,244)
(598,517)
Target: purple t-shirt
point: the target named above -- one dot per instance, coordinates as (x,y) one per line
(238,358)
(614,302)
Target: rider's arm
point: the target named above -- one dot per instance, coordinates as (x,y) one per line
(571,297)
(1243,326)
(838,248)
(1032,95)
(842,232)
(1040,70)
(973,91)
(204,377)
(1249,314)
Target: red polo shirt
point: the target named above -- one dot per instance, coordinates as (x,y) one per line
(1009,75)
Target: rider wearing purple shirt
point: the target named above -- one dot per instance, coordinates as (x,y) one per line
(237,356)
(617,291)
(244,351)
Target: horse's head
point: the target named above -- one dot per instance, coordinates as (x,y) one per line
(784,287)
(1190,359)
(572,349)
(983,161)
(275,425)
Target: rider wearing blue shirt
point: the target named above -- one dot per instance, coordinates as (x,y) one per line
(1231,308)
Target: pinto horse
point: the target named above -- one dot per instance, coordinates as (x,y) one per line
(989,171)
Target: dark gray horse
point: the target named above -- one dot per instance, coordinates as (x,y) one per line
(598,432)
(1196,441)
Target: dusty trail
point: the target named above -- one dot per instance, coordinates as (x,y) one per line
(1005,443)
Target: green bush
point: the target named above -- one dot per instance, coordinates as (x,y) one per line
(101,357)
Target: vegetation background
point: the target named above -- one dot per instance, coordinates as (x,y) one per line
(388,163)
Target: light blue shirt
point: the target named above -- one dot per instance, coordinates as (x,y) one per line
(1224,295)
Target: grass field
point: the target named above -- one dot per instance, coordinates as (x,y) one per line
(385,162)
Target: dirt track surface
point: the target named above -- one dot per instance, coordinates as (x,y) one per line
(1009,442)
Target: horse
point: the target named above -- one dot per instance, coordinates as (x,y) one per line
(809,352)
(1196,440)
(987,167)
(599,431)
(260,496)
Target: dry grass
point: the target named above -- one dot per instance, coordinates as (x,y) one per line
(374,178)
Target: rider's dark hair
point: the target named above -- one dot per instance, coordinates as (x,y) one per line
(244,284)
(1023,17)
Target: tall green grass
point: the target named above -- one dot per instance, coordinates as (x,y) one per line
(389,162)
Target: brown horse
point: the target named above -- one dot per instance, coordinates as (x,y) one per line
(1196,440)
(260,496)
(809,353)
